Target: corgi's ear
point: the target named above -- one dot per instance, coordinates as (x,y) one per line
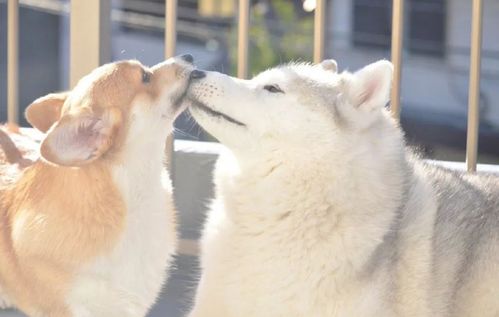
(369,88)
(78,139)
(45,111)
(329,65)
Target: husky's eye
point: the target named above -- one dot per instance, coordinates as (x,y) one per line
(146,76)
(273,89)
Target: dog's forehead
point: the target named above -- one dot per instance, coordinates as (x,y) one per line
(283,75)
(115,71)
(106,82)
(300,78)
(111,72)
(298,75)
(273,75)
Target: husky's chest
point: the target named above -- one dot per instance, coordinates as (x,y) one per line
(132,274)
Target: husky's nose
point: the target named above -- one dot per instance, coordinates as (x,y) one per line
(187,58)
(197,74)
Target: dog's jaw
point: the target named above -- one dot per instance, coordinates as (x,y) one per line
(198,105)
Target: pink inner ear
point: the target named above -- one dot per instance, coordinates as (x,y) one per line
(76,141)
(368,91)
(91,134)
(88,132)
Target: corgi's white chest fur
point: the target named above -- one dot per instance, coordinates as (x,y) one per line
(127,281)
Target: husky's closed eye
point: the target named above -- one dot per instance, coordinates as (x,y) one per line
(273,89)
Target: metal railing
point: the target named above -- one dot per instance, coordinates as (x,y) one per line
(12,61)
(90,47)
(397,45)
(474,86)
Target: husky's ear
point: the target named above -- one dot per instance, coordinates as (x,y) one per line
(45,111)
(329,65)
(369,88)
(78,139)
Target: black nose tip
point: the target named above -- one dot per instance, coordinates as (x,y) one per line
(187,58)
(197,74)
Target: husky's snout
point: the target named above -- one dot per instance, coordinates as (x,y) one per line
(197,74)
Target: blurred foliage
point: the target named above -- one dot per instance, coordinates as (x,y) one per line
(278,34)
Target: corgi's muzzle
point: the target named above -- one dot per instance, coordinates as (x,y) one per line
(193,75)
(187,58)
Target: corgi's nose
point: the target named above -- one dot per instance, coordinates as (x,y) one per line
(187,58)
(197,74)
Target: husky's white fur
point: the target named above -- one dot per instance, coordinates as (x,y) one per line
(321,211)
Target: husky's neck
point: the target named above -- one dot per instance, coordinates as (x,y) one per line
(316,186)
(344,209)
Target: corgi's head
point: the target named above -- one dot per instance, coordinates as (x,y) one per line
(115,106)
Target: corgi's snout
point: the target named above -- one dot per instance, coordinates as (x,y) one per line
(179,61)
(187,58)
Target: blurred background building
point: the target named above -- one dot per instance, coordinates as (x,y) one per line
(435,65)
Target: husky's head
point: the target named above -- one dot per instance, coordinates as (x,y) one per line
(295,108)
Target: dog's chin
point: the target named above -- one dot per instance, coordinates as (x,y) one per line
(179,97)
(173,112)
(210,112)
(177,103)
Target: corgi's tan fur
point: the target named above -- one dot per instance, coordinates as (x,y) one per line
(18,150)
(89,230)
(9,154)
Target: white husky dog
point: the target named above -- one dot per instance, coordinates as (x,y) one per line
(322,211)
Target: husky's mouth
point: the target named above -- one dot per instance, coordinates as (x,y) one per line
(203,107)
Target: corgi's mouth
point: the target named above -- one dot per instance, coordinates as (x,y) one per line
(213,113)
(179,97)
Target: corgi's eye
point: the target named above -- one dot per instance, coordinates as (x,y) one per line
(273,89)
(146,76)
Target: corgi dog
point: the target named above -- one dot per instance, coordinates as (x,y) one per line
(89,229)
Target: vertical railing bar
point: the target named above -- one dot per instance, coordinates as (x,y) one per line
(170,28)
(89,40)
(474,86)
(319,30)
(13,61)
(243,38)
(396,52)
(170,48)
(105,46)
